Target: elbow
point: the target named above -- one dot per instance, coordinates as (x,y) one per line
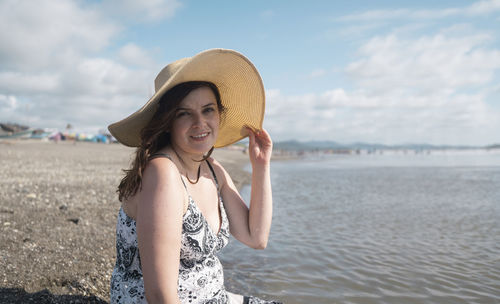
(260,245)
(258,241)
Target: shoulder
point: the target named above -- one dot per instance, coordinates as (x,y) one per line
(162,176)
(162,185)
(157,172)
(161,167)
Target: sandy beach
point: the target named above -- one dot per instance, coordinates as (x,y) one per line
(58,209)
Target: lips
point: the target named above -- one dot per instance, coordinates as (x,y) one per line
(200,136)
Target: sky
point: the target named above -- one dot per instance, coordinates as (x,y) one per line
(391,72)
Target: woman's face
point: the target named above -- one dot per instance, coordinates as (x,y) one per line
(196,122)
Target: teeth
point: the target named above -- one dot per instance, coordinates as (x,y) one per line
(201,135)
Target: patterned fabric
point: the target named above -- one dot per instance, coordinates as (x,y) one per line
(201,277)
(127,285)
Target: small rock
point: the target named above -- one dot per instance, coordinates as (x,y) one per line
(31,195)
(74,220)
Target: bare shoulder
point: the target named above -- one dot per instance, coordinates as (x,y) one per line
(161,172)
(162,166)
(161,183)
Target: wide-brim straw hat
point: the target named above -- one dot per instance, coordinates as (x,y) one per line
(239,83)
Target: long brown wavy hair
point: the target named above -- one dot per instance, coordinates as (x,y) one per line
(156,134)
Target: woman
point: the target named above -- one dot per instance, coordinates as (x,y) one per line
(178,203)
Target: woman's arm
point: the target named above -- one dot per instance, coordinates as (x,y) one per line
(251,226)
(159,228)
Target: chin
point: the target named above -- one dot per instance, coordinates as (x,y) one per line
(196,147)
(201,149)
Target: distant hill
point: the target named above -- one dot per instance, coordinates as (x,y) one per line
(294,145)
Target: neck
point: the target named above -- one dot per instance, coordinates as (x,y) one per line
(189,164)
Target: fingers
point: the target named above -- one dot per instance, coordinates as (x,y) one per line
(263,134)
(251,135)
(263,137)
(259,136)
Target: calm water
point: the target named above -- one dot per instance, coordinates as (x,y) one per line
(378,229)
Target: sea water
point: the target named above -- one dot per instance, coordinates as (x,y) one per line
(398,228)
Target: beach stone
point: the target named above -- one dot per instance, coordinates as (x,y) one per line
(31,195)
(74,220)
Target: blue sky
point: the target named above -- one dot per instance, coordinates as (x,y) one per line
(376,71)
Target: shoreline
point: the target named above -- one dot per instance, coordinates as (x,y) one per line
(58,210)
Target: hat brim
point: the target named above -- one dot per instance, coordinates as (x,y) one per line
(240,86)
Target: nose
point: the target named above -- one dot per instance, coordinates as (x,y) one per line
(198,120)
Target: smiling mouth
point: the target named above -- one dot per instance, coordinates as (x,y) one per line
(200,136)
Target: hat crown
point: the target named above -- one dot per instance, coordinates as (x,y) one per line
(168,72)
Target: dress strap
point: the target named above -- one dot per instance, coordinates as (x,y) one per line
(159,154)
(213,174)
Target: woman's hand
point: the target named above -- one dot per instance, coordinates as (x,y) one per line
(260,147)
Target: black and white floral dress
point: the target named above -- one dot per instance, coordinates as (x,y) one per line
(201,277)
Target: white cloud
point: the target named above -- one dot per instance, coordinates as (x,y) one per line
(8,102)
(342,116)
(144,10)
(53,72)
(37,36)
(26,83)
(97,91)
(134,55)
(434,88)
(317,73)
(416,83)
(484,7)
(476,9)
(427,64)
(99,76)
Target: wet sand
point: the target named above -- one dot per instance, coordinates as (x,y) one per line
(58,209)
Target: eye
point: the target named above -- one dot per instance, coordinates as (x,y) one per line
(209,109)
(182,113)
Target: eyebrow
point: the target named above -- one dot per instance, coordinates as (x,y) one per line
(186,109)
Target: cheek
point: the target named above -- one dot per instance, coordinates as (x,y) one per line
(217,119)
(216,124)
(177,128)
